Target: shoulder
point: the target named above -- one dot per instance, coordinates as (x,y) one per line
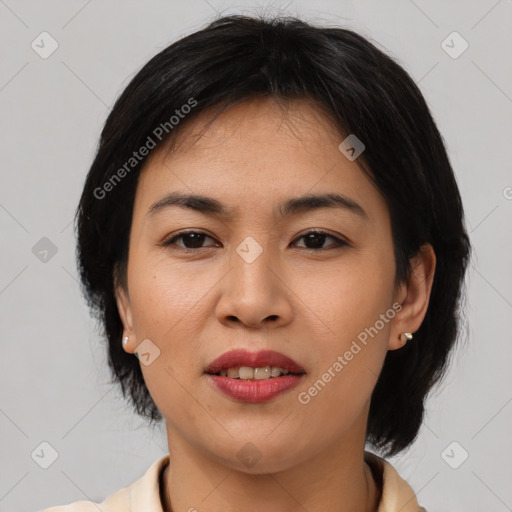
(397,494)
(143,494)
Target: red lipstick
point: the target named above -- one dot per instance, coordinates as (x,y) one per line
(253,359)
(254,391)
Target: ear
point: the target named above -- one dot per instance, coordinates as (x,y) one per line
(414,296)
(125,312)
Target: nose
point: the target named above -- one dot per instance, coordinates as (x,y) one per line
(255,293)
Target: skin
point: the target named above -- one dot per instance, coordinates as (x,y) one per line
(308,304)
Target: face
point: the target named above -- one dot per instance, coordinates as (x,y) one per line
(256,278)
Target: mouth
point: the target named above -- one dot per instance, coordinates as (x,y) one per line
(244,365)
(254,377)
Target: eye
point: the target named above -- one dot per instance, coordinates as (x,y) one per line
(194,240)
(317,238)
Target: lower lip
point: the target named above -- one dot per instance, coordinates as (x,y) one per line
(255,391)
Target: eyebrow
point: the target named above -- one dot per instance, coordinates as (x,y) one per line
(213,207)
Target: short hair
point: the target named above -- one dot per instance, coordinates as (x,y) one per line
(364,92)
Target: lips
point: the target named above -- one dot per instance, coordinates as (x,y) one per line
(254,391)
(259,359)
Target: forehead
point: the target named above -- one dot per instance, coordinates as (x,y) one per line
(253,127)
(254,154)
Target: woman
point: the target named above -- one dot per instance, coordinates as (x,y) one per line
(273,237)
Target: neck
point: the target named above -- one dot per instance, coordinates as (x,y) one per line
(334,481)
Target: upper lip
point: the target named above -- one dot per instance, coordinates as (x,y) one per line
(241,357)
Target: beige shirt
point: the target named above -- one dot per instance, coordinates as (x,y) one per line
(144,494)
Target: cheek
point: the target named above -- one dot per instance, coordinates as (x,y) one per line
(170,308)
(351,339)
(166,297)
(348,363)
(350,296)
(167,309)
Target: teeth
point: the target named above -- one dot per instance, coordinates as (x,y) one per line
(232,372)
(262,373)
(248,373)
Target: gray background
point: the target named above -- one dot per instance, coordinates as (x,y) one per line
(54,380)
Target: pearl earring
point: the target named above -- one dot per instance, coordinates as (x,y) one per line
(125,341)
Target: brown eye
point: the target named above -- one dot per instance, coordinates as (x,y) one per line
(314,240)
(192,240)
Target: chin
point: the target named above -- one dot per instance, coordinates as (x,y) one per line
(264,455)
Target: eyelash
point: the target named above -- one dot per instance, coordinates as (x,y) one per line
(169,242)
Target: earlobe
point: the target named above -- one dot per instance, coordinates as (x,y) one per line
(415,296)
(400,340)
